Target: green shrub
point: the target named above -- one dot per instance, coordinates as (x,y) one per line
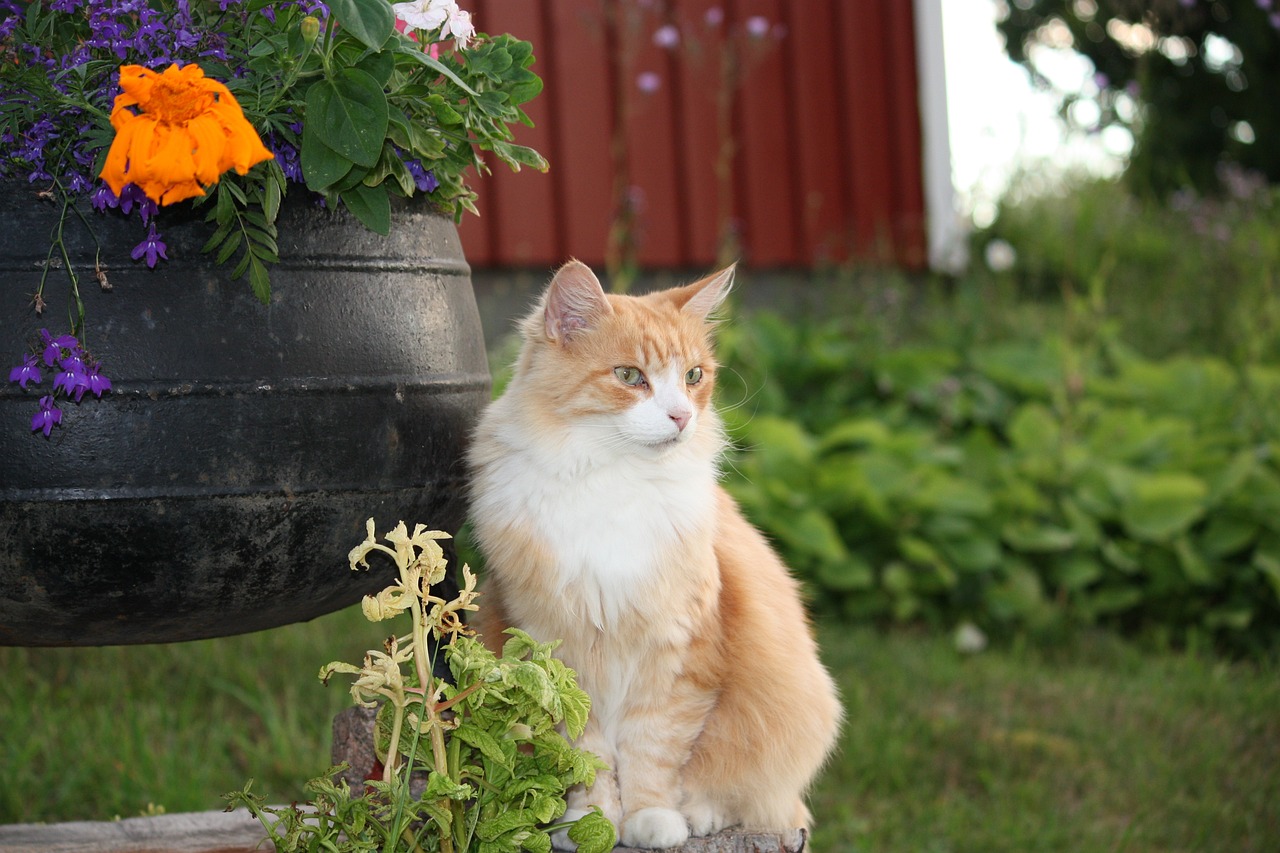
(1019,484)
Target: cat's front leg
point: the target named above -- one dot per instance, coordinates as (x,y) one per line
(656,743)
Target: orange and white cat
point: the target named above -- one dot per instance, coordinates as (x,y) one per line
(596,504)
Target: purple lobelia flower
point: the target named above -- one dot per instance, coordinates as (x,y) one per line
(46,417)
(53,347)
(99,384)
(28,371)
(423,179)
(152,248)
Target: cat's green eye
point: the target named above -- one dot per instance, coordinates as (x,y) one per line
(629,375)
(694,376)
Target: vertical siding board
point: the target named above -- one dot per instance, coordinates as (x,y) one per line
(581,116)
(826,126)
(523,218)
(651,146)
(698,75)
(764,164)
(908,202)
(816,98)
(862,26)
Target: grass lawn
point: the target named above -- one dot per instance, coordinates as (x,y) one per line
(1093,746)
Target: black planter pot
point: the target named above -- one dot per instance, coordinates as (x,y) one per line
(219,486)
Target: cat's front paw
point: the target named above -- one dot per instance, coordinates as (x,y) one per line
(704,818)
(655,828)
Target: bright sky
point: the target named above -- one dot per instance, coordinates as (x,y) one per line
(999,123)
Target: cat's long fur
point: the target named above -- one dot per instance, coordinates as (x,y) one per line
(597,507)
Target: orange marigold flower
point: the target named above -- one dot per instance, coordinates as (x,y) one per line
(176,133)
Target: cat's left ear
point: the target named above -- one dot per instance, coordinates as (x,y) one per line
(574,301)
(702,298)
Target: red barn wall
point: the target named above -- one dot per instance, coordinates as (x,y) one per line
(821,136)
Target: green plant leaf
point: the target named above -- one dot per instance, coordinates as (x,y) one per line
(322,167)
(593,833)
(371,22)
(851,574)
(350,115)
(1161,506)
(371,206)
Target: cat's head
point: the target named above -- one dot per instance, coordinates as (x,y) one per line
(631,373)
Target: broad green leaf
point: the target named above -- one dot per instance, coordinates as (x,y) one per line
(1161,506)
(813,532)
(977,552)
(1019,595)
(350,115)
(371,22)
(1227,481)
(1225,535)
(576,705)
(858,432)
(593,833)
(1029,536)
(1121,554)
(371,206)
(848,575)
(322,167)
(947,494)
(1076,572)
(491,829)
(1116,599)
(1192,562)
(488,745)
(1034,431)
(379,66)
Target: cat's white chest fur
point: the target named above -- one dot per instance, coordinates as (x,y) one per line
(611,521)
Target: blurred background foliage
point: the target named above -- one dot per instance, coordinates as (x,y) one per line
(1195,81)
(1083,431)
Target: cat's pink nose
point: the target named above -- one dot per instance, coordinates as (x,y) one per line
(681,418)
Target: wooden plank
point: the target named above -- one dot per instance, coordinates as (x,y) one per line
(816,97)
(193,832)
(765,167)
(582,124)
(863,68)
(650,118)
(908,199)
(704,116)
(522,214)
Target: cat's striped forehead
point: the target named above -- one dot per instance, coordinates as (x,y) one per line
(655,332)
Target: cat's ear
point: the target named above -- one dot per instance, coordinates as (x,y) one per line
(702,298)
(575,301)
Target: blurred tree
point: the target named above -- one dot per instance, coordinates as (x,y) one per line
(1197,82)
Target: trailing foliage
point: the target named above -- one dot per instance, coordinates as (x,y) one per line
(1019,484)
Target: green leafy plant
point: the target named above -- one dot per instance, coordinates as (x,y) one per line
(488,740)
(1017,484)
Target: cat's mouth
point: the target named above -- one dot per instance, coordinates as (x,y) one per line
(667,443)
